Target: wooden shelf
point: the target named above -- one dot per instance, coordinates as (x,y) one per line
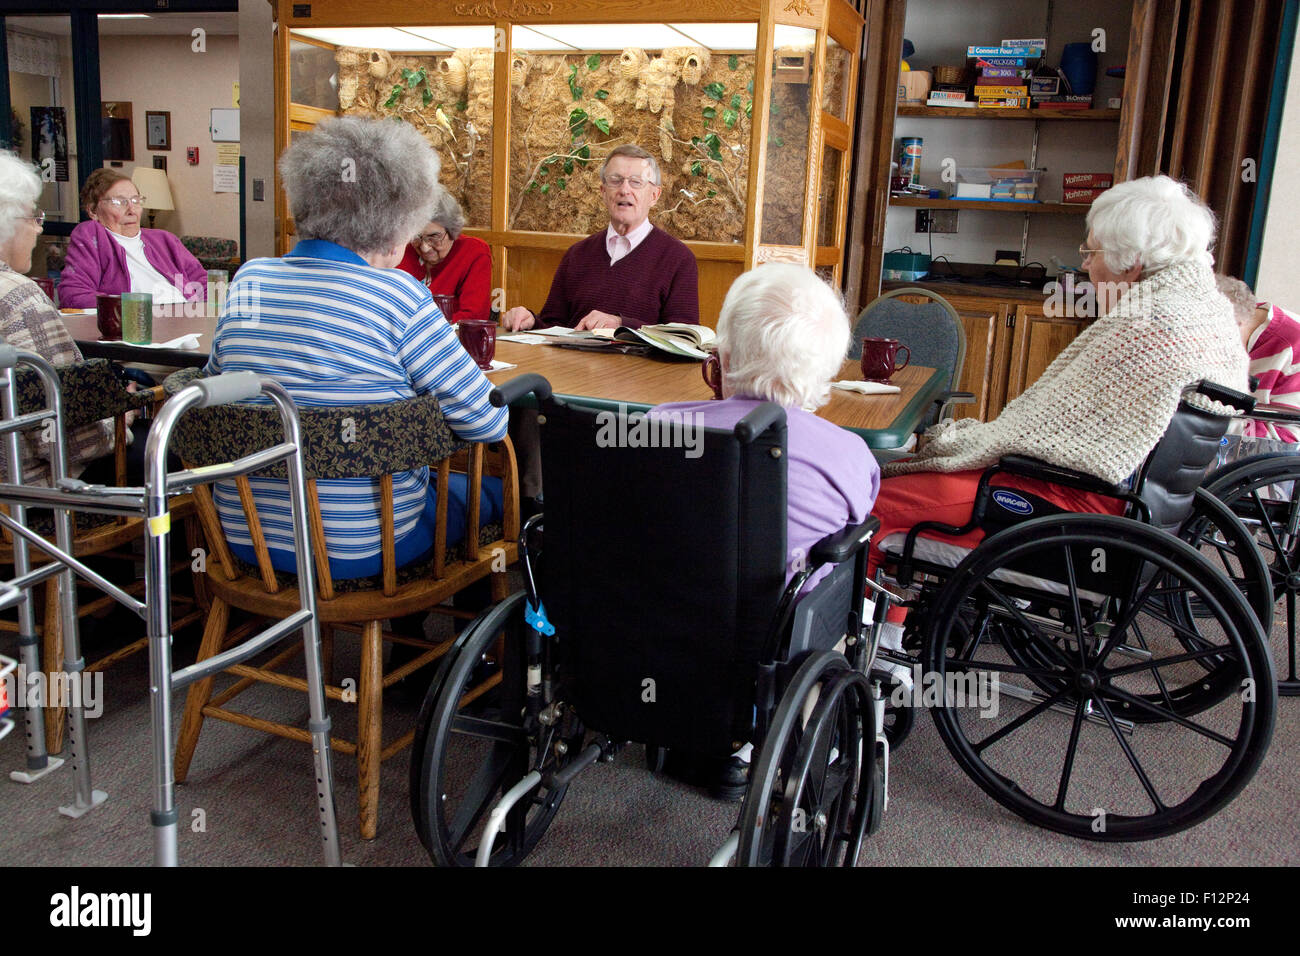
(974,112)
(918,202)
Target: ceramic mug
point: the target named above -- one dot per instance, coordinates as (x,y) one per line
(712,372)
(108,309)
(880,359)
(446,305)
(479,337)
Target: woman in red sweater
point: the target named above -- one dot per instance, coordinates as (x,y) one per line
(449,263)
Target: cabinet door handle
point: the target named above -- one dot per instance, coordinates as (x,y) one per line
(1011,320)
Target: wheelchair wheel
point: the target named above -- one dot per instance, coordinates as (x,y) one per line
(1069,754)
(811,787)
(1261,492)
(475,740)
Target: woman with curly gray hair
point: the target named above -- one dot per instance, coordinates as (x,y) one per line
(337,324)
(449,263)
(28,318)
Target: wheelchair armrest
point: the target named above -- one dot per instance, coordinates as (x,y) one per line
(1234,399)
(512,391)
(841,545)
(1045,471)
(956,398)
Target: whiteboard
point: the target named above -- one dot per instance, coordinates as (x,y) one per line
(225,126)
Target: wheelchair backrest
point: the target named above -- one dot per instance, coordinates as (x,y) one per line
(662,566)
(1168,479)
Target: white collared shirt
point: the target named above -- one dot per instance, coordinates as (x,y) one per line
(620,246)
(144,277)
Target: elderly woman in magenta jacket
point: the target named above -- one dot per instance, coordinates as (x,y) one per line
(110,253)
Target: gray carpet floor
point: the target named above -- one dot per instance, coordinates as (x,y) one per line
(249,800)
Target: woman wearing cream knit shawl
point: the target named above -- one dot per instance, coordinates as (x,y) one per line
(1106,400)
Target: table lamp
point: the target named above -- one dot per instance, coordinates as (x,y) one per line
(152,184)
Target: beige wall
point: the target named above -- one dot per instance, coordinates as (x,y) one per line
(257,123)
(165,73)
(1279,279)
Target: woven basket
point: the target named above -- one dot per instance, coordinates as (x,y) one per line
(950,75)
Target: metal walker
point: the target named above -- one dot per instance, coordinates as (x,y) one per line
(150,502)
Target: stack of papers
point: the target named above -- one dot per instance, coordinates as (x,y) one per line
(867,388)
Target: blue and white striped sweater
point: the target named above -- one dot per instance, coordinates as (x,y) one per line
(336,331)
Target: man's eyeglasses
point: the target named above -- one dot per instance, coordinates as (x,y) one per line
(38,217)
(429,239)
(1085,252)
(136,201)
(636,182)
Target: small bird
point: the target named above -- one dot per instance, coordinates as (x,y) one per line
(445,123)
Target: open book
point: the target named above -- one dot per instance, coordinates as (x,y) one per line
(674,338)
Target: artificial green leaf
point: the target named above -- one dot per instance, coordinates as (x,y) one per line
(543,172)
(593,61)
(749,87)
(584,153)
(775,141)
(729,118)
(697,168)
(546,189)
(709,112)
(561,183)
(714,146)
(462,105)
(577,123)
(601,94)
(711,193)
(735,101)
(749,108)
(601,124)
(733,61)
(427,96)
(393,97)
(568,166)
(574,88)
(407,74)
(714,91)
(413,78)
(695,141)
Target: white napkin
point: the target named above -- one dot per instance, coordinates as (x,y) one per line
(523,338)
(867,388)
(188,343)
(499,366)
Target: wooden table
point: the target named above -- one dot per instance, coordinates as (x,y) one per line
(85,331)
(883,421)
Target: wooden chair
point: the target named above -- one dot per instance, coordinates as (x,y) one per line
(387,439)
(91,391)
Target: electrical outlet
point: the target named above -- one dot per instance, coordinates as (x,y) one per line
(943,220)
(259,190)
(923,220)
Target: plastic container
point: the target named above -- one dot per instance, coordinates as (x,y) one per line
(986,183)
(904,266)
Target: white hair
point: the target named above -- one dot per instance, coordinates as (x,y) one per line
(20,188)
(785,333)
(365,184)
(1239,295)
(1154,221)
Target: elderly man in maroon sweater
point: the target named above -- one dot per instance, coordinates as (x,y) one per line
(632,273)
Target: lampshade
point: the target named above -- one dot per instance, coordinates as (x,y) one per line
(152,184)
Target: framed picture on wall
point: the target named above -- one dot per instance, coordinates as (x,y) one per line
(160,162)
(158,129)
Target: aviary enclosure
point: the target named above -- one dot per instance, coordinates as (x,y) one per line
(748,112)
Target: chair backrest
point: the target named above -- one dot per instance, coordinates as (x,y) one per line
(373,441)
(1168,479)
(662,570)
(932,331)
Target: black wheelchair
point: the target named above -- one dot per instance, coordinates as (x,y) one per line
(1260,486)
(662,616)
(1127,656)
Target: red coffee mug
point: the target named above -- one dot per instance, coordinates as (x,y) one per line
(446,305)
(108,309)
(712,372)
(479,337)
(879,359)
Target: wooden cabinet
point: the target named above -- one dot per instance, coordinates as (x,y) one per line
(1009,343)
